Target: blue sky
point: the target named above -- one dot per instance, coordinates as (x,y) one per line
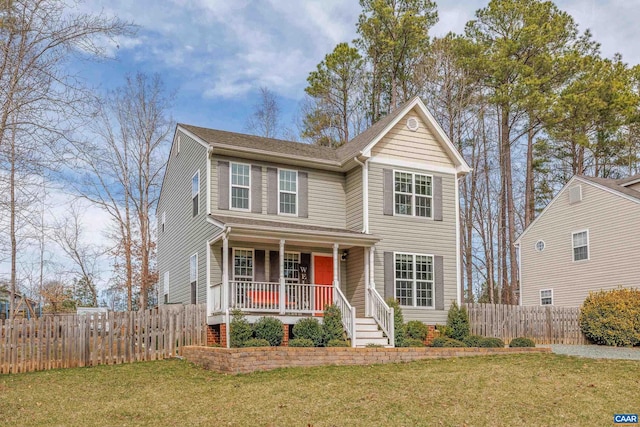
(216,54)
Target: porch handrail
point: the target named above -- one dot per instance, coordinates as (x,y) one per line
(348,314)
(383,314)
(216,298)
(262,296)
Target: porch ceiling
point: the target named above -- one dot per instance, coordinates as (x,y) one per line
(254,230)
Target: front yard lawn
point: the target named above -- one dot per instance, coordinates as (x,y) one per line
(475,391)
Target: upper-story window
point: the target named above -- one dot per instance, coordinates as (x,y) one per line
(195,192)
(413,194)
(580,241)
(240,185)
(287,192)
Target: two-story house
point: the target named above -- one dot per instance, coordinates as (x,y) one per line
(282,228)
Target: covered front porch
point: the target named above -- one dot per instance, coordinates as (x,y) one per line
(291,271)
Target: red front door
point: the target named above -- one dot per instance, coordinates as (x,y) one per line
(323,279)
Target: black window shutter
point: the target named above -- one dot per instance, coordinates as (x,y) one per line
(272,191)
(387,185)
(274,266)
(259,266)
(438,272)
(303,195)
(389,276)
(256,189)
(223,185)
(437,198)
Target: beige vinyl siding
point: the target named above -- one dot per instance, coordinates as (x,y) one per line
(354,199)
(415,235)
(614,245)
(401,143)
(326,195)
(184,234)
(354,286)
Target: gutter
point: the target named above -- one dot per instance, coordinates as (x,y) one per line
(365,193)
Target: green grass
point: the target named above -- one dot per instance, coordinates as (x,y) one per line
(512,390)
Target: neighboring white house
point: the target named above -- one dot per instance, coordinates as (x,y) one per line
(586,239)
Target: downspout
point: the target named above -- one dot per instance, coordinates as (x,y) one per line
(225,281)
(209,153)
(365,194)
(458,263)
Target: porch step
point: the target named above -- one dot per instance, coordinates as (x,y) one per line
(367,332)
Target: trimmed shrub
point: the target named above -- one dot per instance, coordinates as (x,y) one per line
(473,340)
(309,328)
(458,322)
(301,342)
(270,329)
(612,317)
(256,342)
(415,329)
(338,342)
(446,342)
(522,342)
(332,324)
(443,330)
(413,342)
(489,342)
(398,322)
(240,330)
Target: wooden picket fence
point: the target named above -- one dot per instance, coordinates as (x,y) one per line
(66,341)
(544,325)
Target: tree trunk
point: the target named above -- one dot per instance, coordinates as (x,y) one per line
(529,201)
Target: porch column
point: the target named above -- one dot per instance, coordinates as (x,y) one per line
(225,272)
(372,282)
(282,287)
(336,280)
(367,311)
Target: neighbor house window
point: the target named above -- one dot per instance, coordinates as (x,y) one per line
(164,220)
(546,297)
(580,245)
(240,185)
(414,280)
(288,192)
(193,276)
(292,267)
(413,194)
(243,265)
(166,287)
(195,192)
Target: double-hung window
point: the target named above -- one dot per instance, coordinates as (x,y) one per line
(243,265)
(193,276)
(292,267)
(580,241)
(195,192)
(240,186)
(546,297)
(287,192)
(166,288)
(414,280)
(413,194)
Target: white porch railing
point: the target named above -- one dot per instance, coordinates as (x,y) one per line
(348,314)
(383,314)
(299,298)
(215,295)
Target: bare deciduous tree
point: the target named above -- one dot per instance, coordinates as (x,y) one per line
(265,119)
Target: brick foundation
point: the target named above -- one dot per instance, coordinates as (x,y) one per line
(431,335)
(213,335)
(245,360)
(223,335)
(285,336)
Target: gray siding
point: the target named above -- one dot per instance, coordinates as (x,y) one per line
(415,235)
(354,287)
(184,234)
(326,196)
(614,244)
(354,199)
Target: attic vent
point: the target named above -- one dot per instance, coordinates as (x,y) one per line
(575,194)
(413,124)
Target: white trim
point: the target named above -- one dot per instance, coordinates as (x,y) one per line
(288,192)
(414,280)
(208,156)
(208,279)
(253,262)
(630,183)
(390,161)
(193,196)
(519,257)
(193,136)
(178,141)
(216,222)
(231,208)
(196,274)
(540,295)
(573,256)
(432,124)
(413,194)
(458,255)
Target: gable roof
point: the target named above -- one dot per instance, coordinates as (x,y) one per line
(338,157)
(614,186)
